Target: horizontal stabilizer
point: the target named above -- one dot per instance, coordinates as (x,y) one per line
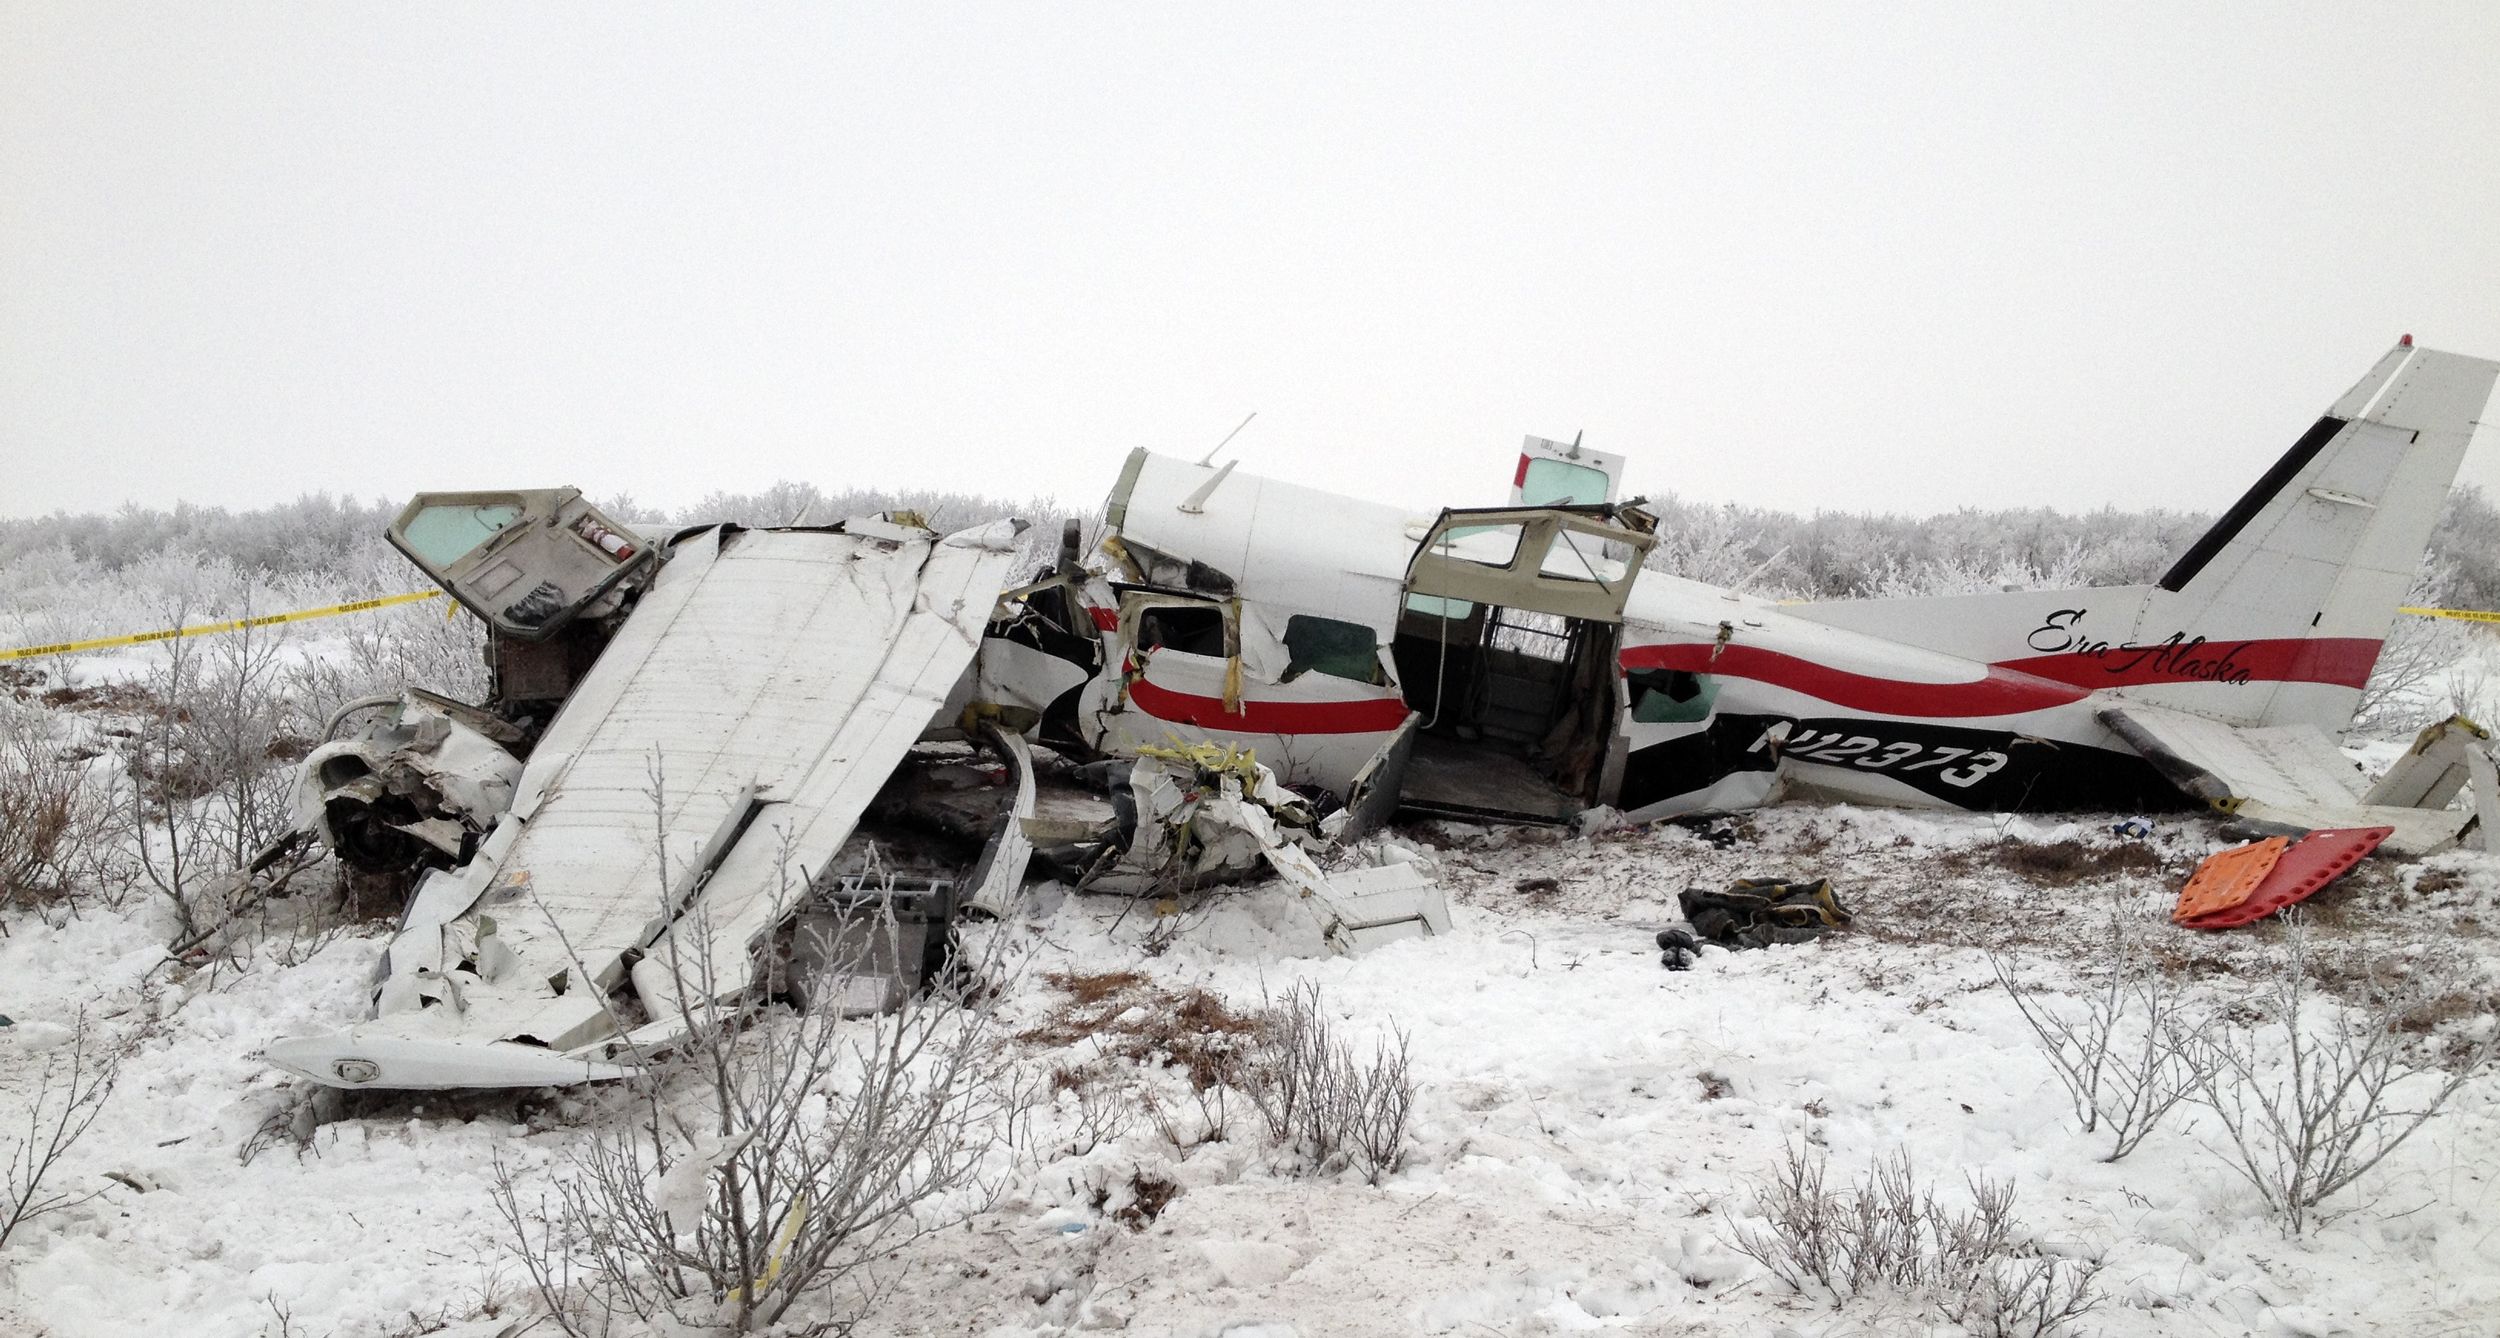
(2291,777)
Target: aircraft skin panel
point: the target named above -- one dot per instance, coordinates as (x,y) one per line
(717,695)
(803,664)
(1302,549)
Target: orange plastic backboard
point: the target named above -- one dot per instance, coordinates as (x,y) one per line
(2227,877)
(2316,860)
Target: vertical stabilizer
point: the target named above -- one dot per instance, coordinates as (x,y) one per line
(2321,551)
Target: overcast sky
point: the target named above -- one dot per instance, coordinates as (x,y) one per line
(1860,257)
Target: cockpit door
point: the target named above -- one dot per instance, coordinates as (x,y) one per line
(525,561)
(1576,562)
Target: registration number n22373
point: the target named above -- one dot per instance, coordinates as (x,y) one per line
(1839,747)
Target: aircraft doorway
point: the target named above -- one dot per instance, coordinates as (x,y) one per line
(1505,649)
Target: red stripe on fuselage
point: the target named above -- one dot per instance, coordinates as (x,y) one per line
(1107,620)
(2002,692)
(2342,661)
(1370,715)
(2033,684)
(1520,479)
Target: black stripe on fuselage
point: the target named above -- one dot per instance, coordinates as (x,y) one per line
(1988,770)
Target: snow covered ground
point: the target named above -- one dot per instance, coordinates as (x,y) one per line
(1588,1128)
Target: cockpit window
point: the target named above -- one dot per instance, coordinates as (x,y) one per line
(441,535)
(1560,483)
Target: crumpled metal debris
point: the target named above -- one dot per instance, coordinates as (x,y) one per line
(421,782)
(1207,814)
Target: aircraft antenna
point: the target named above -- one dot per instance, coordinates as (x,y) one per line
(1209,457)
(1750,577)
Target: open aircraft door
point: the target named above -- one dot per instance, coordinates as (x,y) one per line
(527,562)
(1506,646)
(1519,558)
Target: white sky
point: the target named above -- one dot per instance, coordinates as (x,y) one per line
(1847,257)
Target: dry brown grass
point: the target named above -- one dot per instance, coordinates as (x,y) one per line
(1149,1195)
(2056,863)
(1128,1016)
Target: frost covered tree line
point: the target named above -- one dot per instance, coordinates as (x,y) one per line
(64,577)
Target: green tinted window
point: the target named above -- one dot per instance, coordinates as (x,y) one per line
(1434,606)
(442,535)
(1561,483)
(1340,650)
(1672,696)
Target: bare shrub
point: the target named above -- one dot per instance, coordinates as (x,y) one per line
(69,1095)
(1319,1099)
(778,1156)
(2311,1094)
(54,820)
(209,766)
(1888,1232)
(2119,1048)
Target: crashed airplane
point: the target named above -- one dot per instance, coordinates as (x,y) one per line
(690,737)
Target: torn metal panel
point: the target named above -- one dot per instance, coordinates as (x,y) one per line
(425,775)
(743,718)
(998,879)
(1209,815)
(2289,778)
(2434,769)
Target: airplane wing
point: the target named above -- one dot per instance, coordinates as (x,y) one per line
(724,745)
(2291,777)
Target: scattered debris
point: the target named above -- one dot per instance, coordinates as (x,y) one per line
(1209,814)
(1758,912)
(1678,949)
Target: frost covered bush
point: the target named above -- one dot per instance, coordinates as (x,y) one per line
(2311,1094)
(772,1163)
(1889,1233)
(1321,1100)
(2118,1047)
(69,1094)
(54,818)
(210,767)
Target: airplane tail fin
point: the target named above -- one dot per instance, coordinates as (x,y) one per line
(2320,552)
(2276,615)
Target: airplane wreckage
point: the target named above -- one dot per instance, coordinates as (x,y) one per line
(695,742)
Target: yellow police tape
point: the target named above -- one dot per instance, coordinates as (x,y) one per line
(2461,615)
(205,629)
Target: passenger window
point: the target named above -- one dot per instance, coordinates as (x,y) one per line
(1434,606)
(1337,649)
(1560,483)
(1672,696)
(1192,629)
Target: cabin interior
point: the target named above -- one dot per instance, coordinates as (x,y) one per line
(1517,708)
